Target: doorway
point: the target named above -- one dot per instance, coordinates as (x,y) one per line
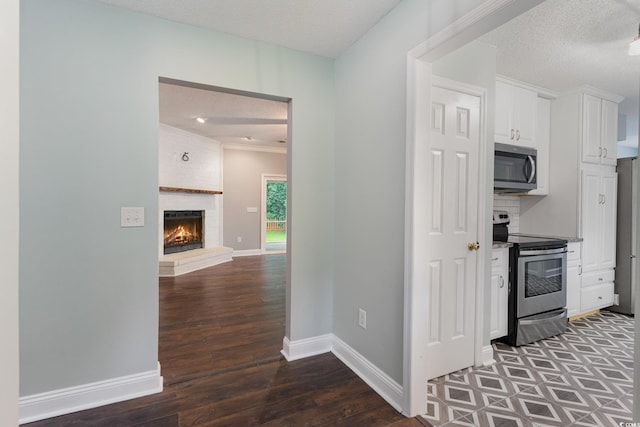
(274,214)
(214,144)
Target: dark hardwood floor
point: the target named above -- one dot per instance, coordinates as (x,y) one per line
(221,333)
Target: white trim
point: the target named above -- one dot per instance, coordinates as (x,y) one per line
(242,147)
(380,382)
(487,356)
(247,252)
(600,93)
(435,46)
(308,347)
(65,401)
(488,15)
(542,92)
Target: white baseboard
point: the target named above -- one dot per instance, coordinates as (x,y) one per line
(487,355)
(383,384)
(65,401)
(247,252)
(294,350)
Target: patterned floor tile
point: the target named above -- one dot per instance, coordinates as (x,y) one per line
(583,377)
(606,417)
(493,418)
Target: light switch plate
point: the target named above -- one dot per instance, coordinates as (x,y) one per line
(131,217)
(252,210)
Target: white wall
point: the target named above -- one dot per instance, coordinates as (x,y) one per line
(203,171)
(629,147)
(89,94)
(243,170)
(370,178)
(9,127)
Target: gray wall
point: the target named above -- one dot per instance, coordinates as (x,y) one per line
(370,178)
(242,180)
(89,103)
(9,124)
(475,64)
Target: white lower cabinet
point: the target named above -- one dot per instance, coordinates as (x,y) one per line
(597,290)
(574,279)
(499,293)
(597,296)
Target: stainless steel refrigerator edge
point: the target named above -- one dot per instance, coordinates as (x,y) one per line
(626,235)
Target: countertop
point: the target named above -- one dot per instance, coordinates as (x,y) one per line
(570,239)
(500,245)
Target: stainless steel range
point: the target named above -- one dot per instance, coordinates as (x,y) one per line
(537,284)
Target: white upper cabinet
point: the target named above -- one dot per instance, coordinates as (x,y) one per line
(599,127)
(516,110)
(609,133)
(541,143)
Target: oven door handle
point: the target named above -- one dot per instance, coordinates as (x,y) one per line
(543,251)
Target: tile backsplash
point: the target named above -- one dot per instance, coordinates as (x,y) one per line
(510,204)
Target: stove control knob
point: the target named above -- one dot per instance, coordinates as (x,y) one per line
(473,246)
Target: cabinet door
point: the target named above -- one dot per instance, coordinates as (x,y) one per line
(590,203)
(608,209)
(493,312)
(503,128)
(541,143)
(591,129)
(498,313)
(609,141)
(573,289)
(525,109)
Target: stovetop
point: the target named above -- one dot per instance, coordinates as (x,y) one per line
(529,241)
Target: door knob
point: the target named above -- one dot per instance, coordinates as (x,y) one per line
(473,246)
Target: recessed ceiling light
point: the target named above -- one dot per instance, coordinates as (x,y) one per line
(201,120)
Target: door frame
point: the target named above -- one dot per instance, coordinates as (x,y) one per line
(263,211)
(488,15)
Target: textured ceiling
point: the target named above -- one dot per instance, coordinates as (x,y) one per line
(562,44)
(323,27)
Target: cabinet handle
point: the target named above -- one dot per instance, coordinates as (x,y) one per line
(579,270)
(513,133)
(604,199)
(600,279)
(599,297)
(599,151)
(494,259)
(517,135)
(501,282)
(605,152)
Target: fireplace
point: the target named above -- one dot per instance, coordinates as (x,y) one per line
(183,231)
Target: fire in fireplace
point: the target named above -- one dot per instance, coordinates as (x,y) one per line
(182,231)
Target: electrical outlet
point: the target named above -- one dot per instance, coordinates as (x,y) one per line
(131,217)
(239,239)
(362,318)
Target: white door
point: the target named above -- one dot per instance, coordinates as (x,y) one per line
(452,226)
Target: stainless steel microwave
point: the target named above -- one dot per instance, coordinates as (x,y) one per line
(514,169)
